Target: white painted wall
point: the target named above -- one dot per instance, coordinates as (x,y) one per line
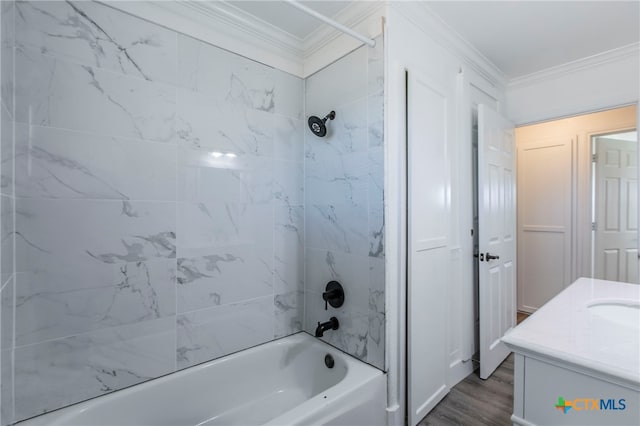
(601,82)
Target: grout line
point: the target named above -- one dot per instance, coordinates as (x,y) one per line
(178,143)
(237,302)
(100,330)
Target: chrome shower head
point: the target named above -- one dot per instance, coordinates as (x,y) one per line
(317,125)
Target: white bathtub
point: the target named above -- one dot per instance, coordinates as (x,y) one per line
(285,382)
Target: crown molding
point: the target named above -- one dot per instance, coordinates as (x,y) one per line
(224,11)
(610,56)
(351,16)
(226,26)
(421,15)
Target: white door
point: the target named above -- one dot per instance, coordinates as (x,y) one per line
(429,119)
(616,206)
(497,227)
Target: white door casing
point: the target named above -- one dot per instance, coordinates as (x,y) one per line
(497,235)
(429,120)
(616,210)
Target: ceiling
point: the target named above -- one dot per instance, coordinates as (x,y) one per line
(519,37)
(522,37)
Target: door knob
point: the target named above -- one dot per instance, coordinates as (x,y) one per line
(491,257)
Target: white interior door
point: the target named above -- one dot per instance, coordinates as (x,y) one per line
(616,207)
(497,242)
(429,120)
(544,226)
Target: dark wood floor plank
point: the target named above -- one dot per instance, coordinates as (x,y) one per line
(477,402)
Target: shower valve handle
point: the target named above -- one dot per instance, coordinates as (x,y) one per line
(333,295)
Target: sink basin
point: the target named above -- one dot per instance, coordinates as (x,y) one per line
(623,313)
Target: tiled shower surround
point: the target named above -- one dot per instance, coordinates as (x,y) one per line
(160,187)
(344,202)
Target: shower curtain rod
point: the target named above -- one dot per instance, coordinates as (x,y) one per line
(334,24)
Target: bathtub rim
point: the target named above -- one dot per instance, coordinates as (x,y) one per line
(354,365)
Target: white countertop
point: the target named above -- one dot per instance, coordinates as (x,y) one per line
(566,329)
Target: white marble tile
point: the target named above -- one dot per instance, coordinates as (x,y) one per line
(128,231)
(6,387)
(289,95)
(60,372)
(216,125)
(376,178)
(6,238)
(377,285)
(288,313)
(336,166)
(352,272)
(376,333)
(347,132)
(225,76)
(375,120)
(7,40)
(99,36)
(212,224)
(57,93)
(342,82)
(340,228)
(6,351)
(288,183)
(338,180)
(61,298)
(344,202)
(7,314)
(351,336)
(376,340)
(212,333)
(6,152)
(375,66)
(206,176)
(289,138)
(376,202)
(223,276)
(376,232)
(55,163)
(289,249)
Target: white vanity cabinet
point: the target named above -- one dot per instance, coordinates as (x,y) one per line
(539,384)
(581,352)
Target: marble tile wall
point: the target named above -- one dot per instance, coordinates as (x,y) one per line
(154,196)
(344,202)
(7,203)
(159,203)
